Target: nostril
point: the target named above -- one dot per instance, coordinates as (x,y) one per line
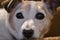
(28,33)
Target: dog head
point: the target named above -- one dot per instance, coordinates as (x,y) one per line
(29,19)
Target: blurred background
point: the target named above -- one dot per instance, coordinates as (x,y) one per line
(55,27)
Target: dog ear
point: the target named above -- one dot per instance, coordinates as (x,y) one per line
(10,4)
(52,5)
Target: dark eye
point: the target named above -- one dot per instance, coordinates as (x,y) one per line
(39,16)
(19,15)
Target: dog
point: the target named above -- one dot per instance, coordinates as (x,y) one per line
(28,20)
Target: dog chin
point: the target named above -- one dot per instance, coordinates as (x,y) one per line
(29,38)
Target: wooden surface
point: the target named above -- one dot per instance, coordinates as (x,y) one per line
(52,38)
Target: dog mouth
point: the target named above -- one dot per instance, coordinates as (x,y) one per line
(29,39)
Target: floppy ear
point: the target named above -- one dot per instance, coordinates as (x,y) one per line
(52,5)
(10,4)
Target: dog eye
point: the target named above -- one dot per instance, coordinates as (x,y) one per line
(19,15)
(39,16)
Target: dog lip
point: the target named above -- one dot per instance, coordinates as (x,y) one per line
(29,39)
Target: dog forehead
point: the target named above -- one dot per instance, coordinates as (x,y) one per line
(29,5)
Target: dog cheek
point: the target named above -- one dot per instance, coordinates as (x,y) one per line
(36,32)
(20,35)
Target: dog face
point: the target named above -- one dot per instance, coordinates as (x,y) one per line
(29,19)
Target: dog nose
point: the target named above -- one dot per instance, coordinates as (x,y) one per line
(28,33)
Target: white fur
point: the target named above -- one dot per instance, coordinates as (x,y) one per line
(4,34)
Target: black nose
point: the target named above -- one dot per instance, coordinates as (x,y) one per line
(28,33)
